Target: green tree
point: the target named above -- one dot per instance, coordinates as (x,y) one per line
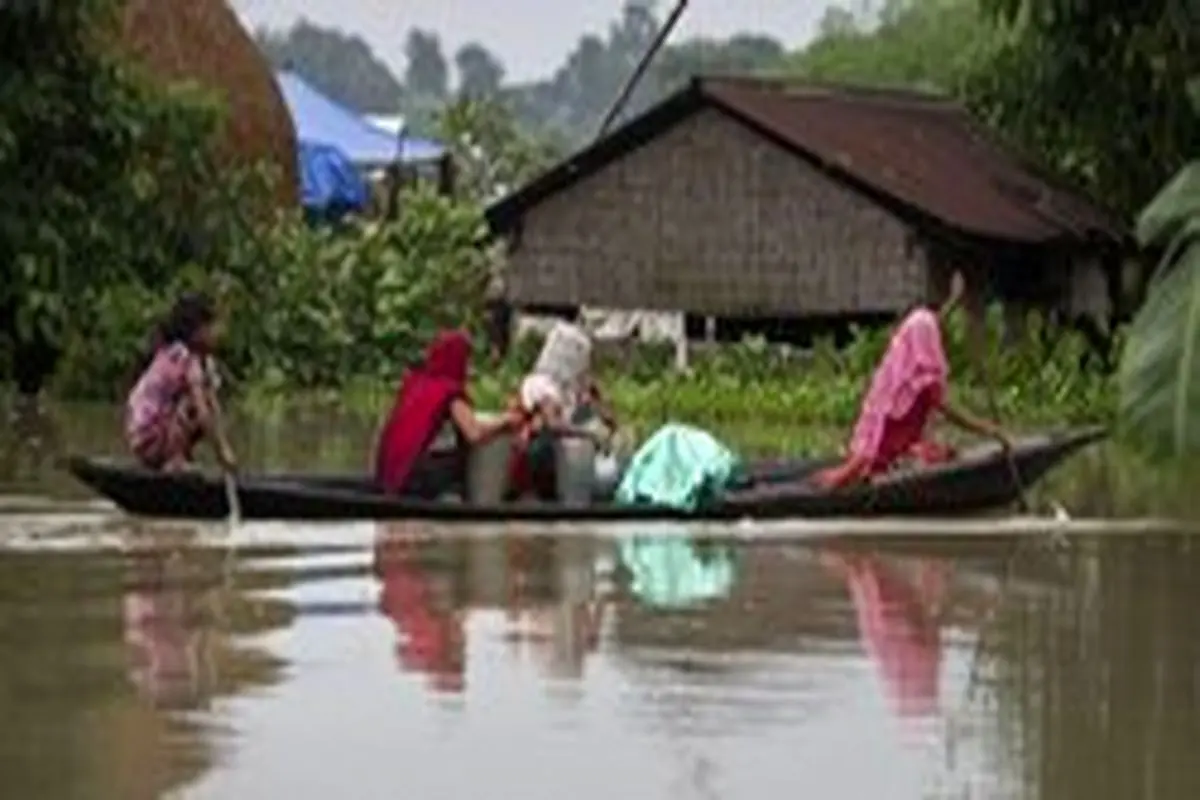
(742,54)
(428,74)
(1102,89)
(480,72)
(837,22)
(924,44)
(492,153)
(107,178)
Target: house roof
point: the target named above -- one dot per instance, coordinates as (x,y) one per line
(921,155)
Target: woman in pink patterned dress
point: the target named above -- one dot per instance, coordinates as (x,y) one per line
(173,404)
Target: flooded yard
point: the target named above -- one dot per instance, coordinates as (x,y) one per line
(143,660)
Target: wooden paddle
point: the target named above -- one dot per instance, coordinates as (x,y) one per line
(957,288)
(231,492)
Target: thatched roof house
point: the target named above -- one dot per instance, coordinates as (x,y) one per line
(203,40)
(740,197)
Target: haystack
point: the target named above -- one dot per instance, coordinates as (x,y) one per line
(203,41)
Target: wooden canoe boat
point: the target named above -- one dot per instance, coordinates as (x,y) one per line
(982,478)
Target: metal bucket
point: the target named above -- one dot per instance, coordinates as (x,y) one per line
(487,470)
(575,469)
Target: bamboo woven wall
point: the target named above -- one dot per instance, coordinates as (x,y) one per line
(203,40)
(711,218)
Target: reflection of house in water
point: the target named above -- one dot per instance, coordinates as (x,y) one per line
(771,206)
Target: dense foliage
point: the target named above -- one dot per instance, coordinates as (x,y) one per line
(107,179)
(1099,90)
(493,154)
(114,202)
(933,45)
(304,307)
(1160,369)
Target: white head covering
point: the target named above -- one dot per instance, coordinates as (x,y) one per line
(537,389)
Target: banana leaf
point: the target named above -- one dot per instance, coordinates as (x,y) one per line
(1159,377)
(1162,223)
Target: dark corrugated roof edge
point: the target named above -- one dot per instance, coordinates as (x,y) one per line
(921,155)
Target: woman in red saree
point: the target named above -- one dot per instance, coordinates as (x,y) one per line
(430,395)
(910,385)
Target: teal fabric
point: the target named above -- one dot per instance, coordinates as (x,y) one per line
(681,467)
(669,572)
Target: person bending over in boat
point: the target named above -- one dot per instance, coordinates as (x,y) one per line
(909,386)
(429,396)
(542,407)
(173,404)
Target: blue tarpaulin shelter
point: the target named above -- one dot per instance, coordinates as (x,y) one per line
(320,120)
(328,181)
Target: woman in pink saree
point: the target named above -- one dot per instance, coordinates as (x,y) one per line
(910,385)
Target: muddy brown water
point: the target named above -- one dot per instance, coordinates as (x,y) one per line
(142,659)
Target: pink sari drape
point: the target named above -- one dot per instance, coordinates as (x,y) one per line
(910,383)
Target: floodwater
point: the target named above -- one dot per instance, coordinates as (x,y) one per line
(142,660)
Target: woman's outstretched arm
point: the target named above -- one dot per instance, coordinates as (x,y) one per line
(475,430)
(973,424)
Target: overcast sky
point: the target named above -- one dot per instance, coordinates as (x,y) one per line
(531,36)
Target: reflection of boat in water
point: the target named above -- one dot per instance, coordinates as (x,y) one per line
(173,607)
(434,587)
(423,592)
(83,624)
(899,625)
(552,612)
(674,571)
(169,666)
(785,600)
